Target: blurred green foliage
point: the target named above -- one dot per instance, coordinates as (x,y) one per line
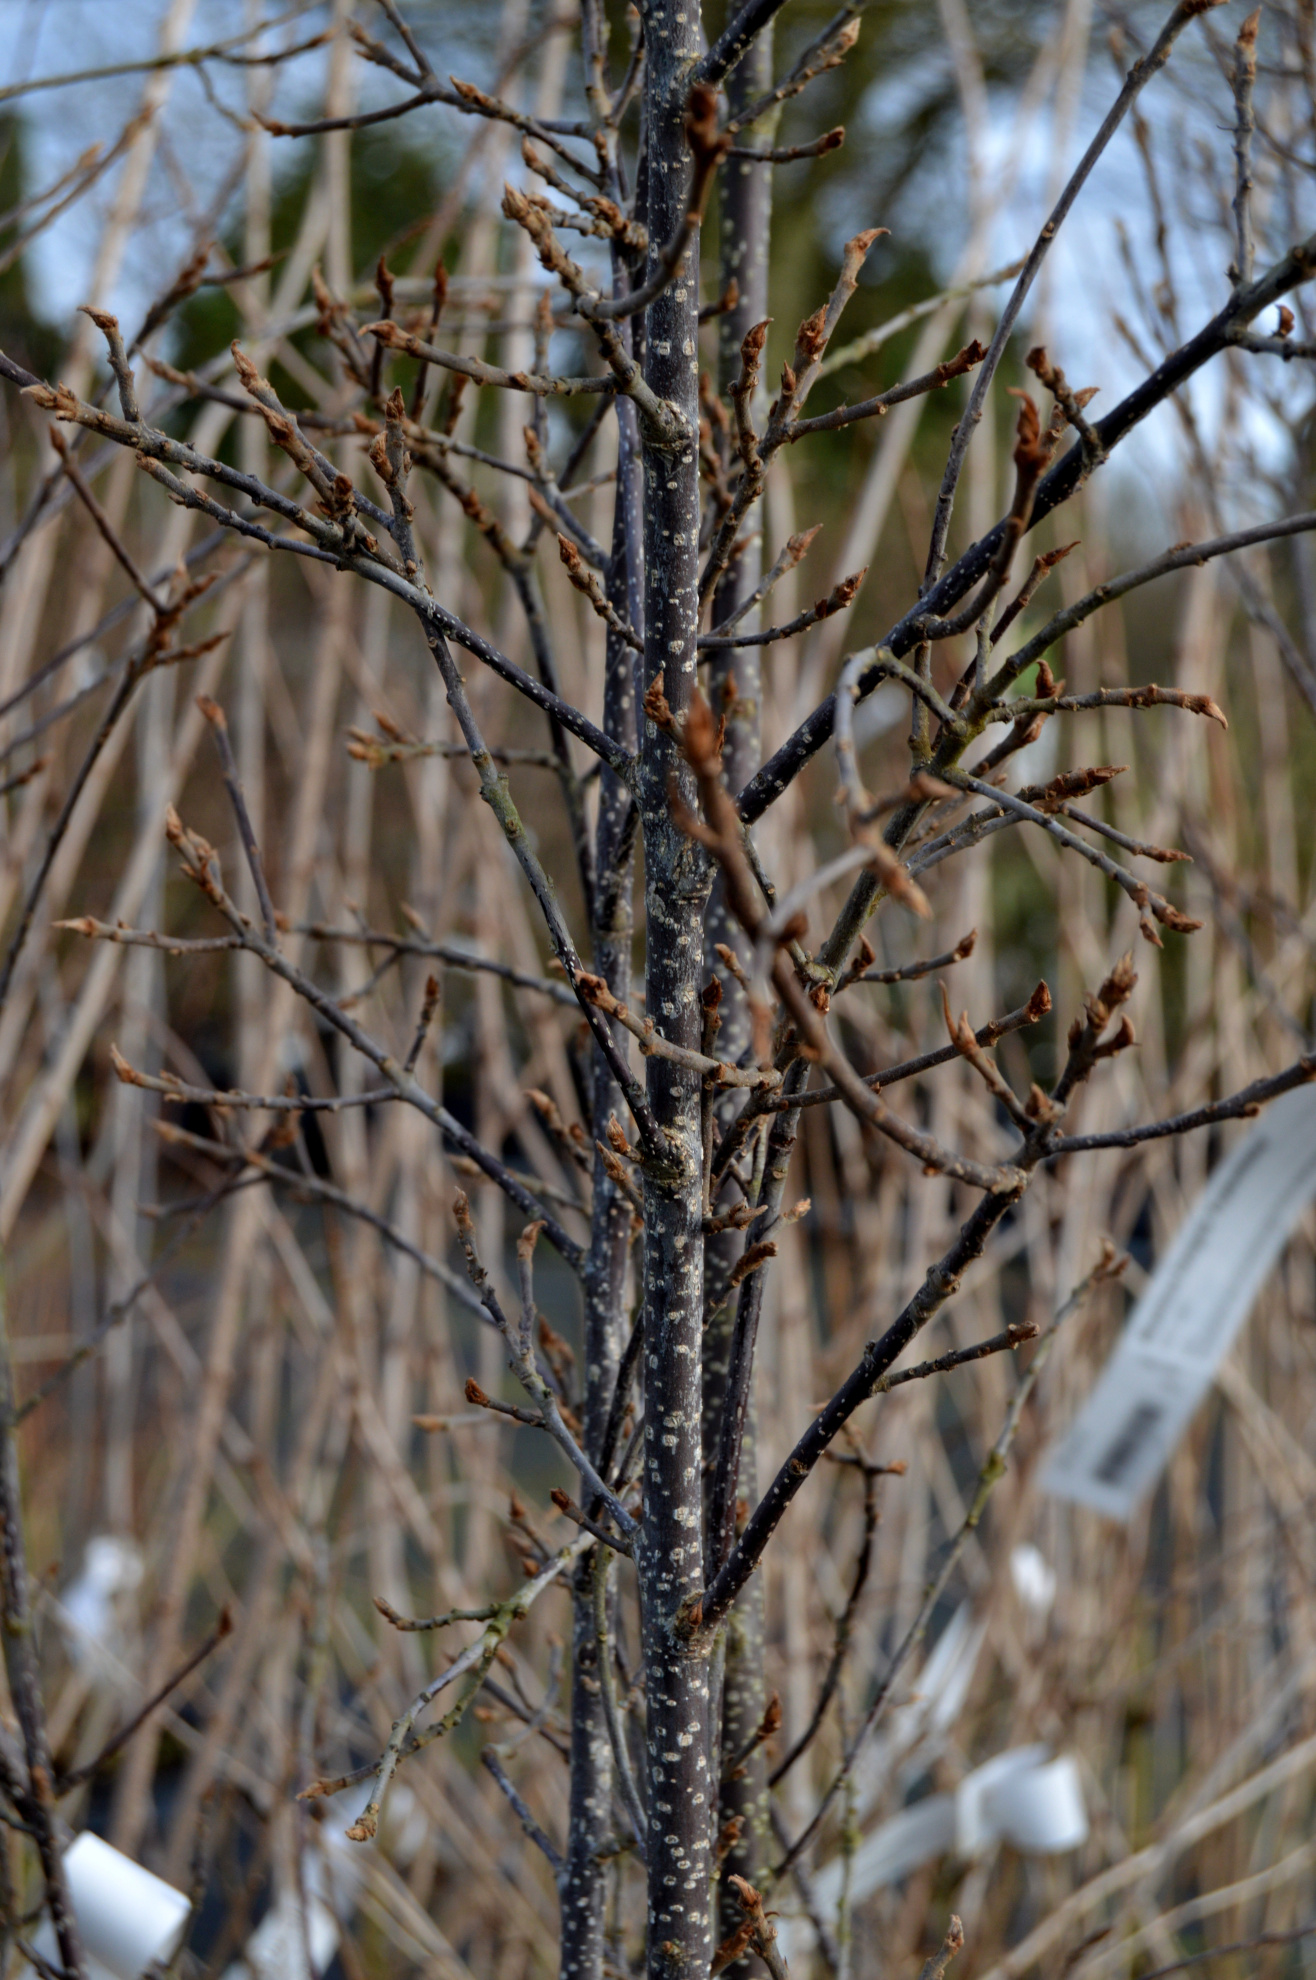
(396,180)
(24,335)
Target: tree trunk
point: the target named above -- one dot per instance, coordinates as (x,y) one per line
(584,1888)
(735,688)
(681,1783)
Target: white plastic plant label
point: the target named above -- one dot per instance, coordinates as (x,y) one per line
(1023,1797)
(1034,1580)
(1190,1314)
(127,1918)
(97,1608)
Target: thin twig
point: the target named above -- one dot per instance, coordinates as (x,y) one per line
(489,1759)
(66,1782)
(1109,1266)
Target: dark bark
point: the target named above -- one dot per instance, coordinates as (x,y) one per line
(35,1797)
(743,34)
(940,1284)
(681,1777)
(735,687)
(584,1886)
(688,1360)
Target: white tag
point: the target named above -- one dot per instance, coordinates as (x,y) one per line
(1025,1799)
(1022,1797)
(98,1609)
(1187,1319)
(1034,1580)
(127,1918)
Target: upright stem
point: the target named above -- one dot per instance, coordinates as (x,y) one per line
(584,1890)
(735,685)
(680,1767)
(36,1803)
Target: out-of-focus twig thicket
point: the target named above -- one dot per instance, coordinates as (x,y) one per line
(638,882)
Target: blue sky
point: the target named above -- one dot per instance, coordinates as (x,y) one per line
(1085,283)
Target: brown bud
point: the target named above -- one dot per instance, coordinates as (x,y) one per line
(753,1256)
(841,594)
(529,1238)
(1039,1003)
(751,345)
(810,339)
(657,707)
(1170,917)
(1119,985)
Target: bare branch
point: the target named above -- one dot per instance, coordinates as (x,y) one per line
(935,1967)
(1109,1266)
(489,1759)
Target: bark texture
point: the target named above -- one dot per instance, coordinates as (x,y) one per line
(682,1785)
(735,689)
